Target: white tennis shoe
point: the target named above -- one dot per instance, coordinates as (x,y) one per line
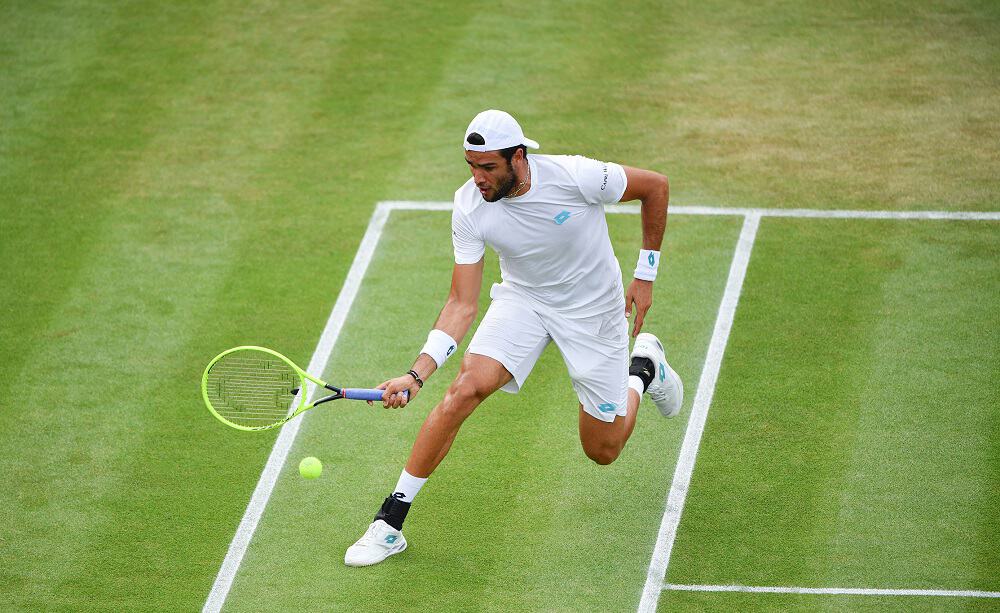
(379,542)
(666,390)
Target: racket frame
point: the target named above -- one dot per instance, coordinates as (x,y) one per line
(300,395)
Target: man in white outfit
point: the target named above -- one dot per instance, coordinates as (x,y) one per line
(561,283)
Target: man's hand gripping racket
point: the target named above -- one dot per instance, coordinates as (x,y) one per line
(401,391)
(255,388)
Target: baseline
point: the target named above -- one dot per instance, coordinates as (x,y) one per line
(633,209)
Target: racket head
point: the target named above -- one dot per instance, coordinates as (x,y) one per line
(251,388)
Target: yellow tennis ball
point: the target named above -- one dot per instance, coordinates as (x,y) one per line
(310,467)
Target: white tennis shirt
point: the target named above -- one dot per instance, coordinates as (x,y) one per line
(553,240)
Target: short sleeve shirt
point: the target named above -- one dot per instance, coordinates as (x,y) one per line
(553,240)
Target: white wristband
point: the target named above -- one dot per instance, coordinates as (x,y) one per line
(439,346)
(645,268)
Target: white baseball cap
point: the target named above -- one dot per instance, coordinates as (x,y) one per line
(498,130)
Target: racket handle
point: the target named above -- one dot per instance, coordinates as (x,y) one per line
(355,394)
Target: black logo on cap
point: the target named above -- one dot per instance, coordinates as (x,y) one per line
(475,138)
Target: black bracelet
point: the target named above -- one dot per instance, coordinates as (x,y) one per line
(416,377)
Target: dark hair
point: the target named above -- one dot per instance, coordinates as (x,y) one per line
(508,153)
(475,138)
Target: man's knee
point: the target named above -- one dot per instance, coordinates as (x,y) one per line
(602,453)
(462,397)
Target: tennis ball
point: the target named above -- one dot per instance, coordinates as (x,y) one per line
(310,467)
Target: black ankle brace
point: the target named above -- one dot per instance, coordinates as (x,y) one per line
(644,369)
(393,511)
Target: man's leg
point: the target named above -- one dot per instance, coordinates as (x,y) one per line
(508,342)
(595,350)
(603,441)
(478,377)
(649,372)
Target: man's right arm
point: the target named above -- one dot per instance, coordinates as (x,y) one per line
(458,313)
(455,320)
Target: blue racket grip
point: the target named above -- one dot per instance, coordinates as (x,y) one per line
(354,394)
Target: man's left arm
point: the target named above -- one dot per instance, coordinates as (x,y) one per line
(653,190)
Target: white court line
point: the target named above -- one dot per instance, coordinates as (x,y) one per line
(699,413)
(317,365)
(632,209)
(851,591)
(416,205)
(834,214)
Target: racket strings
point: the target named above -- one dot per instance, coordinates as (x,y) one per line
(252,388)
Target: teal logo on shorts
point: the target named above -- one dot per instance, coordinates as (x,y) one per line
(607,407)
(652,260)
(663,372)
(561,217)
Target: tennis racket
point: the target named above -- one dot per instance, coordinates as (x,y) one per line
(256,388)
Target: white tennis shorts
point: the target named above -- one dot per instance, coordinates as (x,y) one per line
(515,331)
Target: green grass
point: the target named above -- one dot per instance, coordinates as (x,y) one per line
(179,178)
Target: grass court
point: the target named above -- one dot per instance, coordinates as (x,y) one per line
(176,179)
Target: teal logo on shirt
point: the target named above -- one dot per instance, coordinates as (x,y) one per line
(561,217)
(607,407)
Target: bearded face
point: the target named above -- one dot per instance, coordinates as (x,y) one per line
(493,174)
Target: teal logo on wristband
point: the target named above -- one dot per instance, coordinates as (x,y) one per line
(450,349)
(652,260)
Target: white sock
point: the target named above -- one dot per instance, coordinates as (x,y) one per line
(408,485)
(635,383)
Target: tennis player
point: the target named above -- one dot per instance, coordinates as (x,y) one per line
(561,283)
